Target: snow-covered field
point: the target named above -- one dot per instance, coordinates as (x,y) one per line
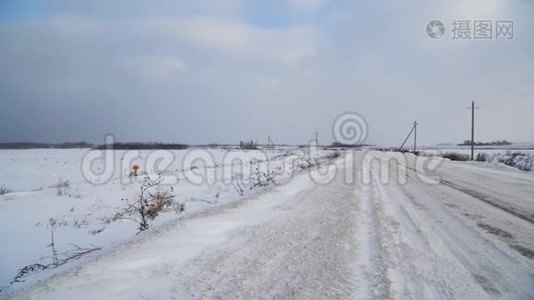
(201,179)
(520,156)
(388,225)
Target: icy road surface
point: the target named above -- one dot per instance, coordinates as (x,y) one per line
(469,237)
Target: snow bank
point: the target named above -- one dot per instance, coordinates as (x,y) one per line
(521,160)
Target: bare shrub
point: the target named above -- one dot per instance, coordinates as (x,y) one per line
(61,259)
(248,145)
(334,155)
(161,200)
(236,183)
(456,156)
(62,187)
(150,202)
(481,156)
(517,160)
(53,225)
(301,163)
(262,179)
(5,190)
(57,258)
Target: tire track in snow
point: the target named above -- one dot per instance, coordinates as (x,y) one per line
(490,200)
(496,272)
(369,266)
(493,203)
(409,260)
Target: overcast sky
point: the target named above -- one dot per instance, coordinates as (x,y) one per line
(220,71)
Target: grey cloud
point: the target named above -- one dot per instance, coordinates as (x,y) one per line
(210,77)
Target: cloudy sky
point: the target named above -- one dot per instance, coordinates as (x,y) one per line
(220,71)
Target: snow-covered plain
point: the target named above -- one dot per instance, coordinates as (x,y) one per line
(387,225)
(83,207)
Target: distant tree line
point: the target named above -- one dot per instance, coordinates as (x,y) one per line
(495,143)
(248,145)
(85,145)
(341,145)
(45,145)
(143,146)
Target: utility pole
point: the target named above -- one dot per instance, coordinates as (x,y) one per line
(317,138)
(270,143)
(472,108)
(415,136)
(414,127)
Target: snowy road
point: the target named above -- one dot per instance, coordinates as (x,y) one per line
(471,236)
